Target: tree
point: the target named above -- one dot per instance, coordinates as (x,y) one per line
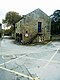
(55,22)
(11,18)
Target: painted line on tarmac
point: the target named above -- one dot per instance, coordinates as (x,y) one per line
(11,60)
(47,44)
(54,45)
(54,61)
(42,47)
(3,57)
(51,58)
(21,56)
(24,56)
(12,71)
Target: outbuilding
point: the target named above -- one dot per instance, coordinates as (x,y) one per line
(34,27)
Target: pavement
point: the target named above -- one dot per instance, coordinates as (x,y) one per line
(20,62)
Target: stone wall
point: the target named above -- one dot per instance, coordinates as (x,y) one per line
(32,29)
(55,37)
(29,24)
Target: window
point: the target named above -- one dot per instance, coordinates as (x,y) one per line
(39,26)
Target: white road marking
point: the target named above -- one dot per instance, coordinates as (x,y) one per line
(21,56)
(3,57)
(11,60)
(54,61)
(31,58)
(51,58)
(38,49)
(46,44)
(17,73)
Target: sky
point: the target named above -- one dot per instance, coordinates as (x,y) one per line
(23,7)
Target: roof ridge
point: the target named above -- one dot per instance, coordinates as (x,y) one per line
(36,11)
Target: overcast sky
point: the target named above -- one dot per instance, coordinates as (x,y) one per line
(25,6)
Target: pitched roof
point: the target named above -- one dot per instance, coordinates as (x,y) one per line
(37,13)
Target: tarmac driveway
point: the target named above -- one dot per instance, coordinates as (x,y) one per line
(42,61)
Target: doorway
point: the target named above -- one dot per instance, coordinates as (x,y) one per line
(20,38)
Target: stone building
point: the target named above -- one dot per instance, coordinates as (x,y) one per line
(34,27)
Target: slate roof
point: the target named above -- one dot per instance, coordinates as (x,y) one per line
(37,13)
